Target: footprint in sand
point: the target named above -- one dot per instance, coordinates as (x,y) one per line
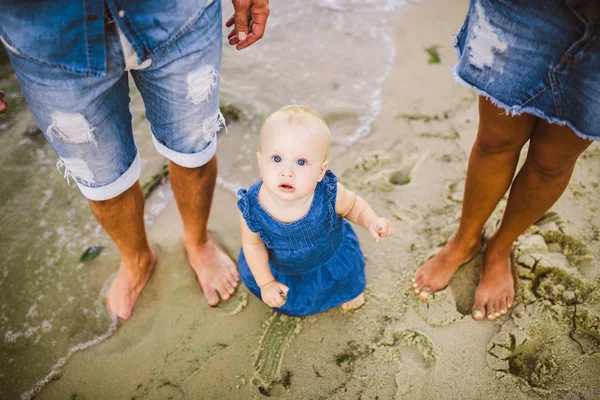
(456,301)
(550,344)
(235,304)
(403,213)
(440,309)
(383,171)
(454,191)
(279,332)
(408,358)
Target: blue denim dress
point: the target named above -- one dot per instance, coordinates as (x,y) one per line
(318,256)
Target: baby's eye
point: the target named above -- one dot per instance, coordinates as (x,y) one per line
(276,158)
(301,162)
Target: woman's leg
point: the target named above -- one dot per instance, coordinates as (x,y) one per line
(553,151)
(492,165)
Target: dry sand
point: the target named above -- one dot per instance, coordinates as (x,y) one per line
(411,168)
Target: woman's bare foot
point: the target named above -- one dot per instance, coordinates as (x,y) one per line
(496,292)
(435,274)
(355,303)
(217,274)
(128,285)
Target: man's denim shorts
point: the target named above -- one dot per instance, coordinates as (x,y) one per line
(540,57)
(87,120)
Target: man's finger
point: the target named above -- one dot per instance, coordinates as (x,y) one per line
(240,18)
(230,21)
(248,42)
(233,40)
(260,14)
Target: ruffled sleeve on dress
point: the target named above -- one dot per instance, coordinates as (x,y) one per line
(248,214)
(330,184)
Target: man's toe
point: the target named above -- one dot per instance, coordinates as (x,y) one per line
(223,290)
(229,287)
(212,298)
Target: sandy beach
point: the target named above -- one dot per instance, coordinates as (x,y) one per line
(411,169)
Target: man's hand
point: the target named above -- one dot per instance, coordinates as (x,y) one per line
(274,294)
(249,22)
(3,104)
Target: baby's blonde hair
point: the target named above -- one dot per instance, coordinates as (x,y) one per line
(301,115)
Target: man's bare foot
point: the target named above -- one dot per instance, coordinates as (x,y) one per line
(496,292)
(128,285)
(355,303)
(435,274)
(217,274)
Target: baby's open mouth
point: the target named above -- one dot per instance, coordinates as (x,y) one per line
(286,187)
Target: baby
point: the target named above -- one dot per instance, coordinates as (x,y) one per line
(296,239)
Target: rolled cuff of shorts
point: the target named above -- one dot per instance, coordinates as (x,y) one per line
(192,160)
(114,189)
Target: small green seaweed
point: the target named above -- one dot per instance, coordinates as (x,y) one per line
(342,358)
(434,55)
(346,358)
(90,253)
(575,250)
(230,112)
(149,186)
(417,117)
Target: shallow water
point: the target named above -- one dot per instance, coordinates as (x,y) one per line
(332,55)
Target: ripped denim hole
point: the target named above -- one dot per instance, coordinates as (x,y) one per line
(71,128)
(201,83)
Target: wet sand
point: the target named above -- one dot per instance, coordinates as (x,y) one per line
(411,169)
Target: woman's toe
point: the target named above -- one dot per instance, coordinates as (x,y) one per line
(478,309)
(424,293)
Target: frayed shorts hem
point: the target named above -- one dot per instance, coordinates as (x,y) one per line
(193,160)
(124,182)
(518,110)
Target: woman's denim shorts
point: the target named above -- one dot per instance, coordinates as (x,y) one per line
(539,57)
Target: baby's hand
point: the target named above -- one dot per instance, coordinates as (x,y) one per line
(381,227)
(274,294)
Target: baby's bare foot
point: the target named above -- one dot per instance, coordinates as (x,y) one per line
(355,303)
(217,274)
(435,274)
(495,293)
(128,285)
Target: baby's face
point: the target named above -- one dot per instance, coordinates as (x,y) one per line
(292,160)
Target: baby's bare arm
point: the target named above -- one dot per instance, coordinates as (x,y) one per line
(256,254)
(273,293)
(356,210)
(352,207)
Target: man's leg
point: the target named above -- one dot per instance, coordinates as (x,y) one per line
(553,152)
(492,165)
(87,122)
(193,189)
(181,94)
(123,218)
